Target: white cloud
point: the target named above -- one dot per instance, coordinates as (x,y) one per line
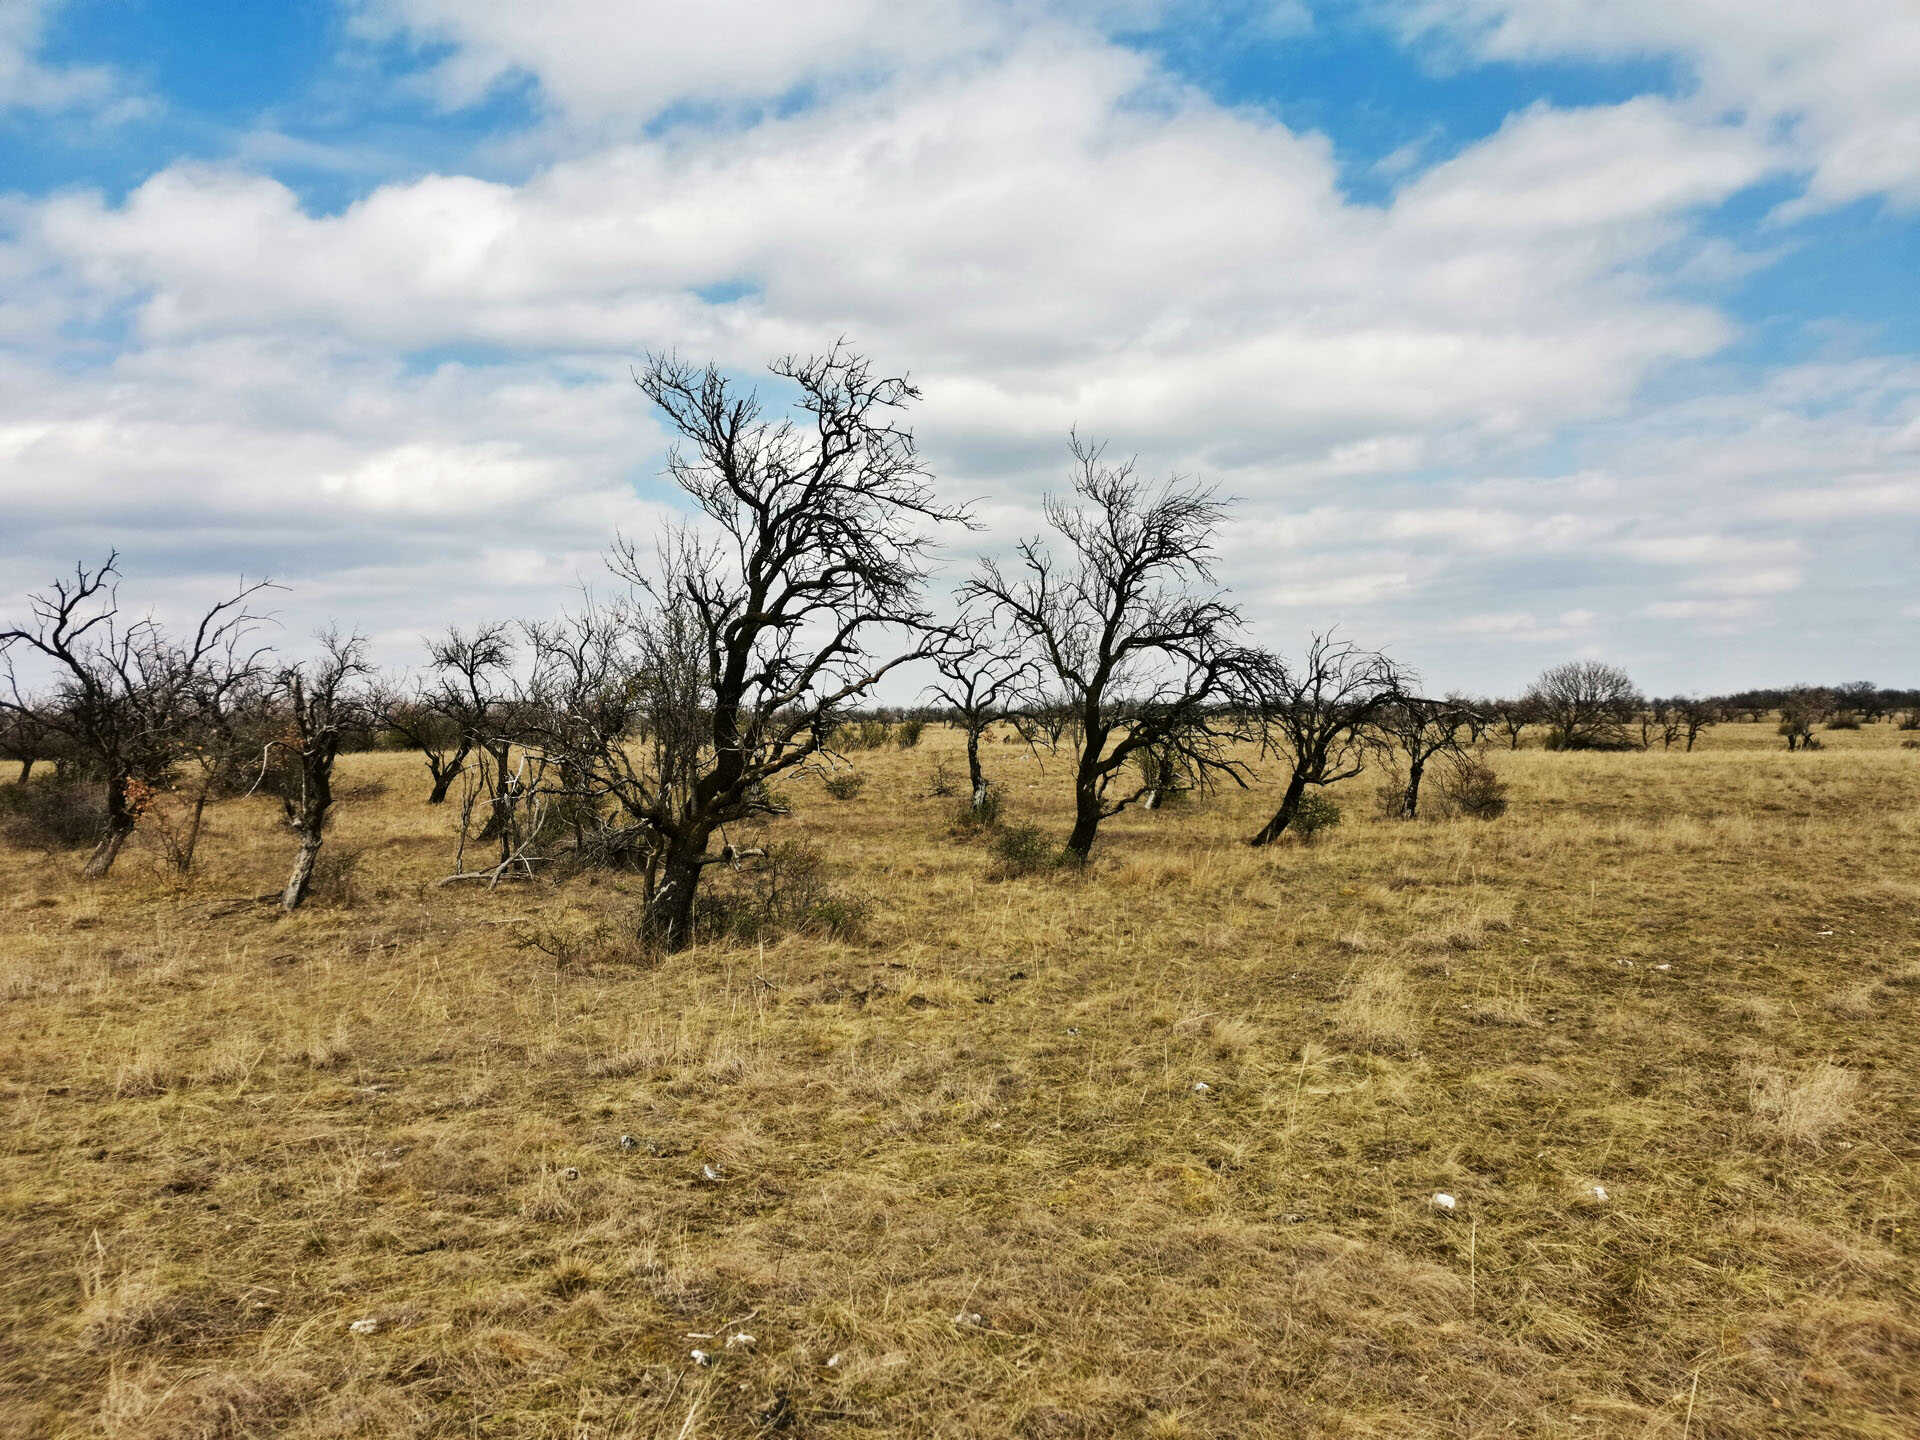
(26,83)
(1836,77)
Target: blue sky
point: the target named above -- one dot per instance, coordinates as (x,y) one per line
(1520,328)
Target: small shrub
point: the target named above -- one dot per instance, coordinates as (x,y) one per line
(785,890)
(1023,850)
(1910,720)
(871,734)
(336,872)
(1317,814)
(52,814)
(1473,789)
(1844,722)
(845,786)
(970,820)
(908,735)
(944,779)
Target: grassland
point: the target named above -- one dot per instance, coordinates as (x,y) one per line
(1654,1030)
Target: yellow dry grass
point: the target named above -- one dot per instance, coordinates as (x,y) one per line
(1654,1030)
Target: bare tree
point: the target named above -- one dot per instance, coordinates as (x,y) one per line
(1145,663)
(1323,715)
(1695,715)
(1512,717)
(125,696)
(1585,705)
(1422,729)
(475,694)
(320,703)
(1801,708)
(982,680)
(740,650)
(442,739)
(26,739)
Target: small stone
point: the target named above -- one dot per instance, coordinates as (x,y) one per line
(969,1317)
(1293,1219)
(1444,1201)
(833,1361)
(701,1357)
(572,1172)
(627,1142)
(1599,1192)
(1200,1087)
(713,1176)
(740,1340)
(367,1326)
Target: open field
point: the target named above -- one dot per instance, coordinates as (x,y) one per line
(1688,980)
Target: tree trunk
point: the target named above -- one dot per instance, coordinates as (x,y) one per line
(302,877)
(1283,817)
(1410,802)
(976,782)
(183,862)
(108,850)
(497,816)
(1086,823)
(442,782)
(669,916)
(26,769)
(120,821)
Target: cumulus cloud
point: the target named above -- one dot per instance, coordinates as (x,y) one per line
(1435,411)
(1835,78)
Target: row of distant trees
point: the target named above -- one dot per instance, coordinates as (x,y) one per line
(641,731)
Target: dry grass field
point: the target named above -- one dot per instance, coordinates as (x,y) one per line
(1149,1150)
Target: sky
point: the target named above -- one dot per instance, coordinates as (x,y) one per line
(1518,330)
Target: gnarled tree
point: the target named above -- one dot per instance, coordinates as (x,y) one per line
(318,703)
(1146,662)
(1585,705)
(125,697)
(982,680)
(740,648)
(1422,729)
(1323,715)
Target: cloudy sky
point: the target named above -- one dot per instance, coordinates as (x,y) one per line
(1521,329)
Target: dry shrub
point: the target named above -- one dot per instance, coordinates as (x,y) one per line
(1378,1010)
(785,891)
(1803,1109)
(336,874)
(134,1310)
(52,815)
(1471,788)
(845,786)
(1023,850)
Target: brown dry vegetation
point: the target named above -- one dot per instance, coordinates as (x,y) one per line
(1689,980)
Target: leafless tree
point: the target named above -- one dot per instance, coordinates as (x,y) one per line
(475,694)
(26,739)
(1323,716)
(125,696)
(1695,715)
(1422,729)
(1585,705)
(319,703)
(1146,663)
(442,739)
(1801,708)
(1512,717)
(982,681)
(740,648)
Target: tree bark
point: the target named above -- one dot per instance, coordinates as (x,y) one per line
(1410,802)
(442,782)
(301,879)
(26,769)
(120,822)
(669,915)
(976,782)
(1283,817)
(108,850)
